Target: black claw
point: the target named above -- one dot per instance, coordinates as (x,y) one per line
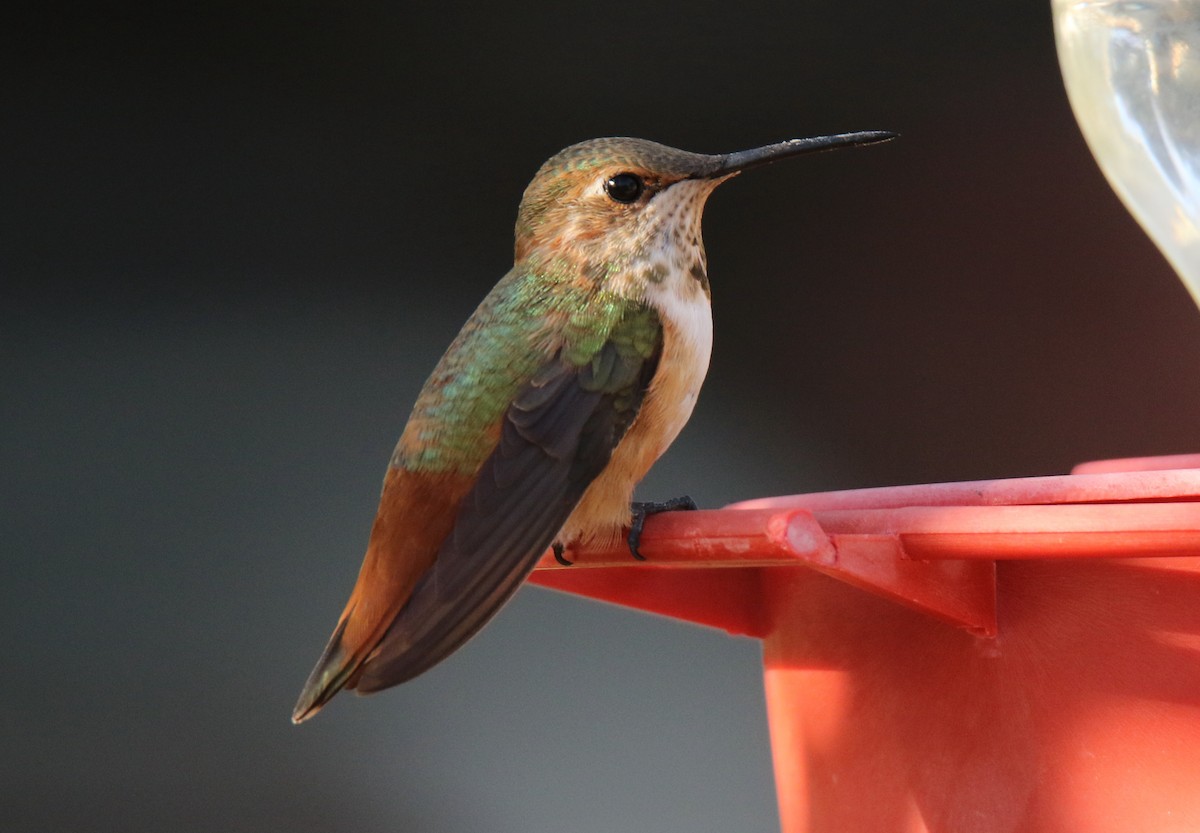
(635,533)
(558,554)
(642,510)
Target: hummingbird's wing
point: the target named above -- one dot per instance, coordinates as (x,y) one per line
(445,554)
(557,436)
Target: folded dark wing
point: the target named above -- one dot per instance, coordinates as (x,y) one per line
(556,437)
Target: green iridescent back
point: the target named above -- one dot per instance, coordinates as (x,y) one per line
(529,319)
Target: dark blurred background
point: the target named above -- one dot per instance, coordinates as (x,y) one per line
(235,237)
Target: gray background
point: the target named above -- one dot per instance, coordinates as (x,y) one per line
(233,242)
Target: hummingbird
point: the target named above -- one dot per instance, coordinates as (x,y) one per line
(560,392)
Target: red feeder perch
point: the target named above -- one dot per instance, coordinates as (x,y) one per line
(1026,656)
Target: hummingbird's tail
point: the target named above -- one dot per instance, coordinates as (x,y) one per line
(333,671)
(416,513)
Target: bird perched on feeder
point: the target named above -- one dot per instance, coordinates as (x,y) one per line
(570,379)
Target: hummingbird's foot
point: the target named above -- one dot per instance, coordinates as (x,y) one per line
(559,549)
(641,511)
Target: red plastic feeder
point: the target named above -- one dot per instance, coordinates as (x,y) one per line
(1026,656)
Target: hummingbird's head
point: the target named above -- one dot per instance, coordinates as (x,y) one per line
(632,207)
(601,198)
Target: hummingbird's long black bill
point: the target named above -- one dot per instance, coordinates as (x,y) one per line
(732,163)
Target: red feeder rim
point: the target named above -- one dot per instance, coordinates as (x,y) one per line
(1068,697)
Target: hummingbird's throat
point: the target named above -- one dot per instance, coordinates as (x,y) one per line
(652,254)
(669,256)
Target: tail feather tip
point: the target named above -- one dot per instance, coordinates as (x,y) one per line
(332,673)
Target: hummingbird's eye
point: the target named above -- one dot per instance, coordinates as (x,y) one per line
(624,187)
